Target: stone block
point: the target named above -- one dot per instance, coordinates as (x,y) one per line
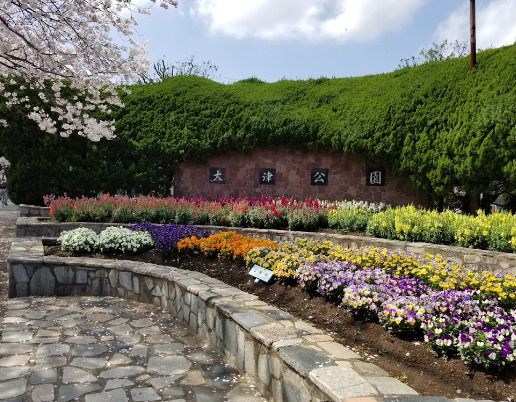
(294,388)
(263,369)
(391,386)
(249,319)
(304,359)
(81,277)
(113,278)
(240,357)
(42,283)
(230,337)
(136,285)
(270,333)
(20,275)
(250,359)
(210,317)
(341,383)
(338,351)
(125,280)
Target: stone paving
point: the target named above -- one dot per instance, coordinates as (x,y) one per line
(100,348)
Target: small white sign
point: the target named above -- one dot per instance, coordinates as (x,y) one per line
(260,273)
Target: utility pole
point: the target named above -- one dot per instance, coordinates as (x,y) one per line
(472,35)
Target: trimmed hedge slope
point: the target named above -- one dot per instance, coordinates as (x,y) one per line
(438,123)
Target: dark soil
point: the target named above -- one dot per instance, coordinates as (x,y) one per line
(411,361)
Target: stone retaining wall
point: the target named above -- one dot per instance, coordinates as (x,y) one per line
(31,210)
(290,360)
(485,259)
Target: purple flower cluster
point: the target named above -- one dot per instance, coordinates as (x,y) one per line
(166,236)
(460,322)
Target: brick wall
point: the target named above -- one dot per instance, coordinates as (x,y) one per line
(346,177)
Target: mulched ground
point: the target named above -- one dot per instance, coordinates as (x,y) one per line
(409,360)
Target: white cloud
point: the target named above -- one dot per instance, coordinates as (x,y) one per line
(495,21)
(343,20)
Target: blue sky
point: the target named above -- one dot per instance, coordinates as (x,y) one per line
(299,39)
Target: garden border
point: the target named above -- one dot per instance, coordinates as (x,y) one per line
(289,359)
(471,258)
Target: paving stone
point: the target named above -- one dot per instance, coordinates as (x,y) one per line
(119,359)
(130,338)
(342,383)
(100,317)
(116,395)
(14,349)
(16,336)
(75,391)
(43,393)
(50,362)
(222,375)
(15,360)
(203,394)
(12,388)
(142,323)
(121,329)
(77,375)
(169,348)
(162,382)
(44,376)
(56,349)
(89,362)
(121,372)
(47,333)
(167,365)
(193,378)
(81,340)
(8,373)
(88,350)
(244,393)
(144,394)
(14,320)
(118,383)
(139,352)
(159,339)
(303,359)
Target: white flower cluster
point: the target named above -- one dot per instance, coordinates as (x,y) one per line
(111,240)
(80,240)
(371,207)
(122,240)
(69,43)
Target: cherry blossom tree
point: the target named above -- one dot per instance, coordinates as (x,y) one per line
(60,64)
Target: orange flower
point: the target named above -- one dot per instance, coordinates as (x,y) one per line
(224,244)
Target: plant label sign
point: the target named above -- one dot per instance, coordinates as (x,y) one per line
(260,273)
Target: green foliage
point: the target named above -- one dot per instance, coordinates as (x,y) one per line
(495,232)
(349,220)
(437,123)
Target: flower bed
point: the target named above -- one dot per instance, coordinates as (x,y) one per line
(404,293)
(458,312)
(495,232)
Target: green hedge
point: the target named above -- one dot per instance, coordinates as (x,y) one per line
(439,123)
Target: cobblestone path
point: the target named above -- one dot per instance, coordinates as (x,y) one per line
(104,349)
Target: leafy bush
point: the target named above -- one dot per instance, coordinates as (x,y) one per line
(80,240)
(349,220)
(122,240)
